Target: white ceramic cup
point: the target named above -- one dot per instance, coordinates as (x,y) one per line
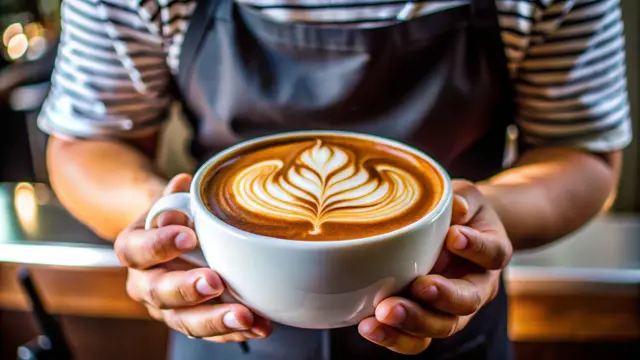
(313,284)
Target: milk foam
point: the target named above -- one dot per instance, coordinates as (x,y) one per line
(326,183)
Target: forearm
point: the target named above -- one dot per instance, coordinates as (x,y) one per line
(104,184)
(551,192)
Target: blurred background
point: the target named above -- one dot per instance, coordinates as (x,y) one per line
(579,299)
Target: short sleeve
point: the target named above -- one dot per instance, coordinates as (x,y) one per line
(571,86)
(111,78)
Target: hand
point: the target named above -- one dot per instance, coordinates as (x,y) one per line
(465,278)
(175,291)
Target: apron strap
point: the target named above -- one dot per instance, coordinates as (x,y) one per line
(198,26)
(484,9)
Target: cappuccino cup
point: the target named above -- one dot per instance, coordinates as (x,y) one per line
(313,229)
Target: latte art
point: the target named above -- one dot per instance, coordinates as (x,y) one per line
(321,188)
(326,184)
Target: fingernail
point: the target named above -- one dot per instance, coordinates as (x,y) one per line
(461,241)
(204,288)
(250,334)
(184,241)
(397,315)
(377,334)
(258,333)
(231,321)
(429,293)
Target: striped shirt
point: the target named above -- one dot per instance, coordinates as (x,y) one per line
(566,59)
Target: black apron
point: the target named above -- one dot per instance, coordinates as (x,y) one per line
(438,82)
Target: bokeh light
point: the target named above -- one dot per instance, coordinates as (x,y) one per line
(11,31)
(29,41)
(37,47)
(26,206)
(17,46)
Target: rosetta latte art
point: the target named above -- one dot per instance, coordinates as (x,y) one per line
(326,183)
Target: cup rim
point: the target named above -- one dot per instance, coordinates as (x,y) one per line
(429,217)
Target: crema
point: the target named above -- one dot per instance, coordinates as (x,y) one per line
(321,188)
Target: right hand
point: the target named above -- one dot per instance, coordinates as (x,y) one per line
(176,291)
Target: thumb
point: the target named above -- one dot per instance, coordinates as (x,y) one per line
(467,202)
(179,183)
(460,209)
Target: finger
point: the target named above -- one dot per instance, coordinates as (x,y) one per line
(179,264)
(410,317)
(452,296)
(239,336)
(392,339)
(204,321)
(464,296)
(490,249)
(467,202)
(155,313)
(261,329)
(164,219)
(176,289)
(141,249)
(172,218)
(179,183)
(137,280)
(459,210)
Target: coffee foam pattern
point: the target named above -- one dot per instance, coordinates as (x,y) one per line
(326,183)
(321,188)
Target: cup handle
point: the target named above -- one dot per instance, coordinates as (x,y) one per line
(172,202)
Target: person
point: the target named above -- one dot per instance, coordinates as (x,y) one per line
(447,77)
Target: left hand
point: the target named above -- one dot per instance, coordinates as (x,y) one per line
(465,278)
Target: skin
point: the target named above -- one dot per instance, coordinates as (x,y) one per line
(550,192)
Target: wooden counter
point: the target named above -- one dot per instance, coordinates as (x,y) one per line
(534,317)
(83,292)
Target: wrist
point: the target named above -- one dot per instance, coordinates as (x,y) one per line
(491,192)
(499,201)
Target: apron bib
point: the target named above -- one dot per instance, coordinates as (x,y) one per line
(438,82)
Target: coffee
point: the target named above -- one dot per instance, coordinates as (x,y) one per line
(321,188)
